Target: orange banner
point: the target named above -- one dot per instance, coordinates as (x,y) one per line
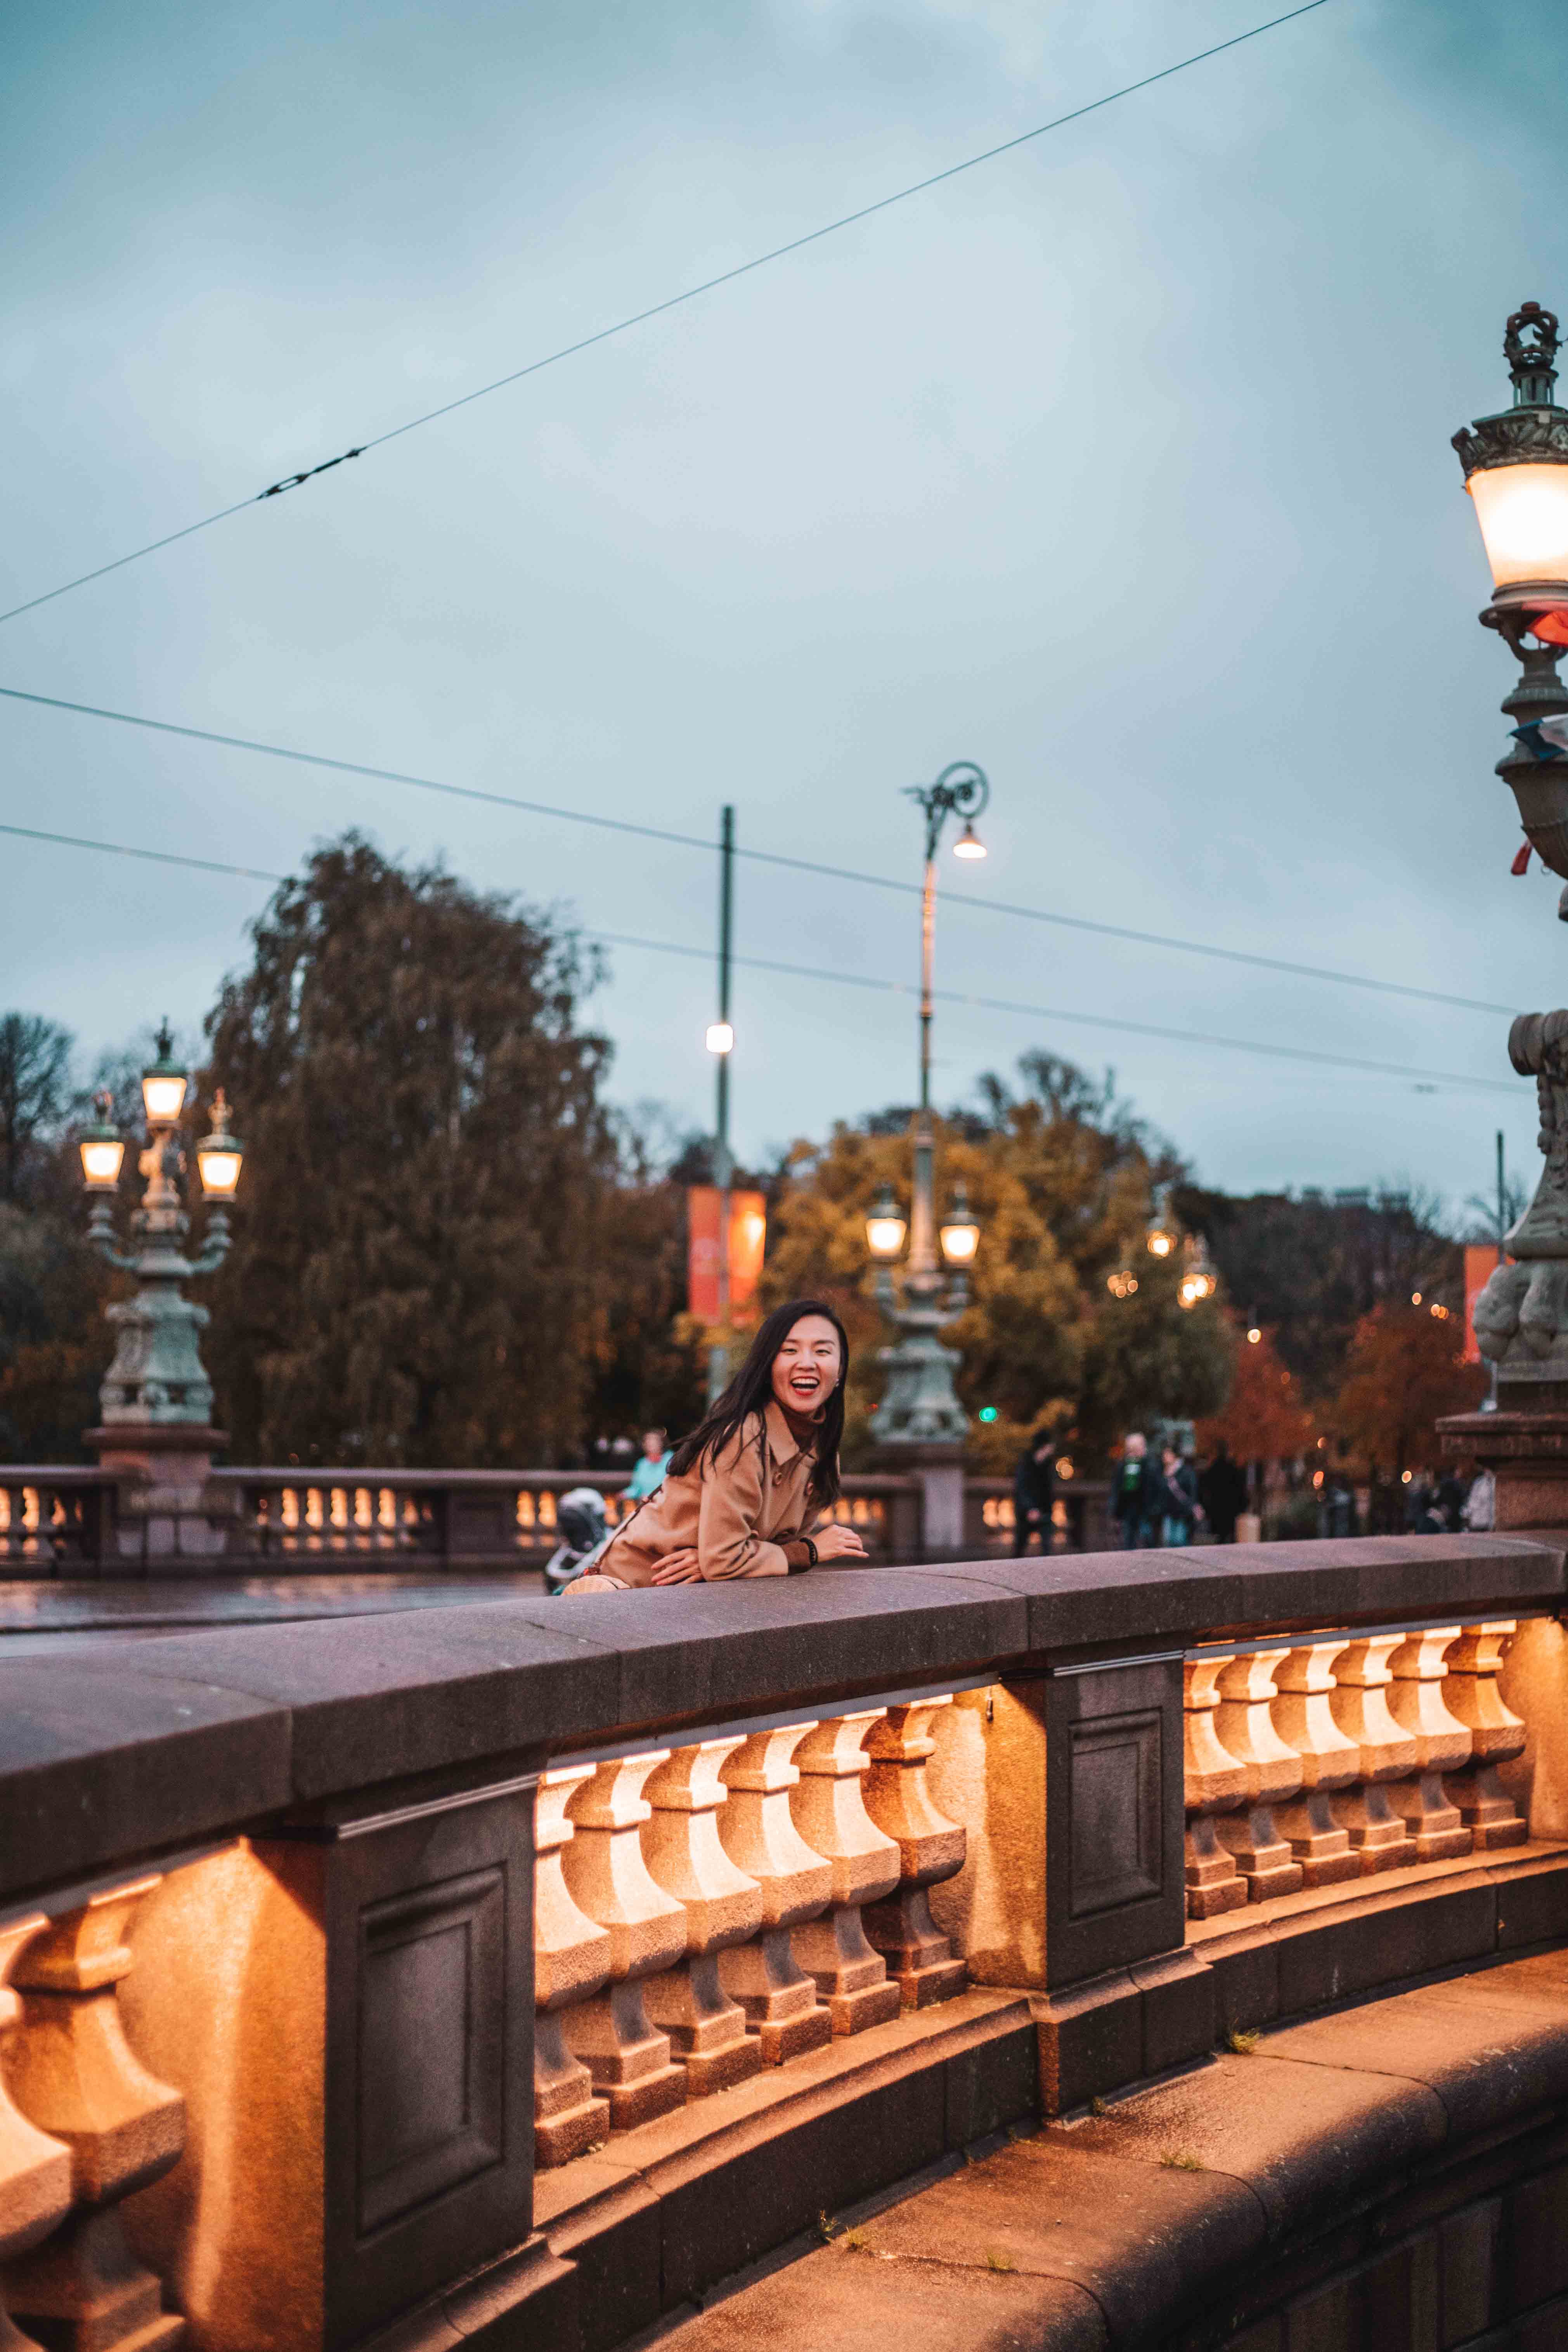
(748,1234)
(1481,1260)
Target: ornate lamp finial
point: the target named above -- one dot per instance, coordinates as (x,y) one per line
(1529,345)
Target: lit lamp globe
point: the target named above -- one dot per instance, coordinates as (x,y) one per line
(960,1231)
(220,1156)
(102,1149)
(1162,1237)
(885,1228)
(1516,471)
(164,1083)
(969,843)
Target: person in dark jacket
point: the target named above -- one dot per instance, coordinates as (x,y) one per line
(1034,1492)
(1222,1491)
(1137,1495)
(1180,1511)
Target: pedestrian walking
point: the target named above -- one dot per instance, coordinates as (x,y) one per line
(1479,1514)
(746,1493)
(1222,1491)
(1034,1493)
(1137,1496)
(1179,1510)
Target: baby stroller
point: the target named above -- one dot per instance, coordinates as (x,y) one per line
(583,1531)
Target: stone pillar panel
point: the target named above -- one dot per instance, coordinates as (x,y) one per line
(1114,1814)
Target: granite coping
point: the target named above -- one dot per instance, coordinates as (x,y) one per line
(129,1749)
(1115,2230)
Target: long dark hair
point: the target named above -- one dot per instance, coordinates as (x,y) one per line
(752,1388)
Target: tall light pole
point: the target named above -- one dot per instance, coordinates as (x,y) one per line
(720,1045)
(156,1400)
(920,1423)
(1516,472)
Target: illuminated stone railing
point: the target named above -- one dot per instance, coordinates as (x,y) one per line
(1333,1757)
(376,1985)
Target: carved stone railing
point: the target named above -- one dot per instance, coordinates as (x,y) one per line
(533,1966)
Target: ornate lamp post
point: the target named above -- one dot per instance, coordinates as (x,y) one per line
(156,1400)
(919,1421)
(1516,471)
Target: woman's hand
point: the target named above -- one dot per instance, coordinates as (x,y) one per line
(678,1568)
(835,1542)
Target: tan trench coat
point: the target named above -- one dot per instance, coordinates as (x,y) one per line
(744,1510)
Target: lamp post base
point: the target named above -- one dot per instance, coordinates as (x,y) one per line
(940,1471)
(167,1509)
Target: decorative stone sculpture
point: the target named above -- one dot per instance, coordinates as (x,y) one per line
(1521,1315)
(571,1963)
(930,1848)
(829,1812)
(1215,1783)
(1303,1716)
(607,1879)
(759,1837)
(1362,1683)
(1442,1744)
(71,2073)
(722,1906)
(1243,1724)
(34,2170)
(1497,1735)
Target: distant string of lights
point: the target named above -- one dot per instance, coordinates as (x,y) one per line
(855,980)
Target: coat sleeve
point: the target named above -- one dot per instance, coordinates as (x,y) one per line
(728,1543)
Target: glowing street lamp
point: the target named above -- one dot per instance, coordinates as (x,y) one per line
(1162,1238)
(155,1399)
(885,1228)
(960,1231)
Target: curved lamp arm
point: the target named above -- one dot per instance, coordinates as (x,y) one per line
(101,1234)
(215,1249)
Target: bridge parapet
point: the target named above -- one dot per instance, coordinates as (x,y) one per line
(532,1965)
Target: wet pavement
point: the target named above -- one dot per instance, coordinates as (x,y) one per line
(46,1615)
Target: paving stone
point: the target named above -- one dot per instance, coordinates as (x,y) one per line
(1303,2137)
(854,2301)
(1490,2061)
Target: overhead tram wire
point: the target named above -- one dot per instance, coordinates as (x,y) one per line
(860,980)
(671,302)
(760,857)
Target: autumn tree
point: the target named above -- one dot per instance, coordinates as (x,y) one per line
(1404,1371)
(1265,1417)
(416,1273)
(35,1094)
(1059,1175)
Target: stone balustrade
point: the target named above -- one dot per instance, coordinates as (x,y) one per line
(388,1983)
(1337,1759)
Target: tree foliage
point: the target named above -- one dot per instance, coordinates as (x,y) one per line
(35,1095)
(428,1175)
(1265,1418)
(1059,1175)
(1403,1372)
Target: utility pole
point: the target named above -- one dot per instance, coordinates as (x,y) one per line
(720,1041)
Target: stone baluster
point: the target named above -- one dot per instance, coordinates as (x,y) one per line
(829,1811)
(34,2170)
(1215,1783)
(628,2056)
(723,1907)
(1442,1744)
(1378,1836)
(930,1848)
(1304,1718)
(759,1837)
(71,2073)
(1497,1735)
(571,1963)
(1244,1725)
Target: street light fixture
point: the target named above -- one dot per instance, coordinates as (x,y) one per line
(920,1414)
(720,1037)
(885,1228)
(1162,1238)
(155,1399)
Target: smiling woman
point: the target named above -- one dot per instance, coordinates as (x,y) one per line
(746,1489)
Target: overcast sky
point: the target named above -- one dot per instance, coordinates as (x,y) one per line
(1119,464)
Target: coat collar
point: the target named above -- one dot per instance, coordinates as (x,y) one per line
(781,1437)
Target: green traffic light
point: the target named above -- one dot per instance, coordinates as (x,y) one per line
(987,1413)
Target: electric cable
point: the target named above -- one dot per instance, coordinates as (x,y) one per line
(672,303)
(762,857)
(863,980)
